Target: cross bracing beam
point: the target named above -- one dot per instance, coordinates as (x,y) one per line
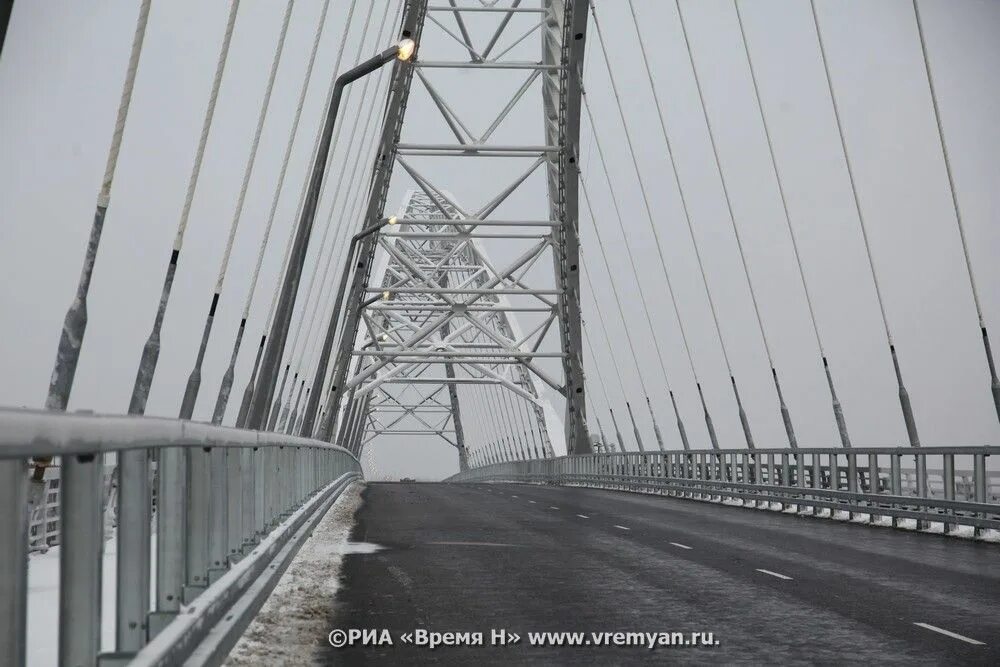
(433,292)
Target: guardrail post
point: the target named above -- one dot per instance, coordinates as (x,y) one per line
(701,473)
(786,470)
(132,572)
(979,475)
(261,482)
(171,499)
(800,471)
(948,480)
(873,482)
(81,559)
(198,508)
(218,528)
(852,478)
(14,559)
(234,504)
(896,474)
(274,473)
(921,466)
(817,478)
(758,476)
(248,511)
(834,474)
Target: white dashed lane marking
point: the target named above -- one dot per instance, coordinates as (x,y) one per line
(583,516)
(532,502)
(553,507)
(622,527)
(949,633)
(680,546)
(774,574)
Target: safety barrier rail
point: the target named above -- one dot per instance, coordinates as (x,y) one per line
(949,485)
(232,506)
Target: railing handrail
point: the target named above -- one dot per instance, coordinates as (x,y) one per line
(854,481)
(958,450)
(26,432)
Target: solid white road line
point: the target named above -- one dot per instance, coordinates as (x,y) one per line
(948,633)
(583,516)
(774,574)
(622,527)
(680,546)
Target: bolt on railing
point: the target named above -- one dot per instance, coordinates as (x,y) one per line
(206,521)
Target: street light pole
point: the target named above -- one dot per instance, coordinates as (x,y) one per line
(264,390)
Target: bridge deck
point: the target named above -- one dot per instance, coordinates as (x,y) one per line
(524,558)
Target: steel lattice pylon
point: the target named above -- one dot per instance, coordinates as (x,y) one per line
(435,301)
(475,346)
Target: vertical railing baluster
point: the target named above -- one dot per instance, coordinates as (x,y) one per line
(948,480)
(979,477)
(261,482)
(817,478)
(81,559)
(198,507)
(897,480)
(234,504)
(218,533)
(248,511)
(171,502)
(922,490)
(14,560)
(873,484)
(133,558)
(852,478)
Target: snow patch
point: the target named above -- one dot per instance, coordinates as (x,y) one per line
(292,624)
(43,604)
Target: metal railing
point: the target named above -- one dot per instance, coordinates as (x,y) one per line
(950,485)
(232,506)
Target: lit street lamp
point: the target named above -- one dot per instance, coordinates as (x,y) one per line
(262,393)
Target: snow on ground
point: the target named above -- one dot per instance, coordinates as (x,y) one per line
(293,623)
(43,605)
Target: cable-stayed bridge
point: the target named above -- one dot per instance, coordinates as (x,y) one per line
(612,420)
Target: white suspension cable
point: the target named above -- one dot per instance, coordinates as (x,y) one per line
(837,409)
(642,187)
(725,187)
(151,350)
(284,168)
(322,244)
(850,174)
(206,126)
(335,248)
(254,145)
(614,289)
(995,382)
(904,398)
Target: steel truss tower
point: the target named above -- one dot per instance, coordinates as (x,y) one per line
(421,260)
(435,299)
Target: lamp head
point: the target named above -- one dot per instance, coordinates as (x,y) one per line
(405,49)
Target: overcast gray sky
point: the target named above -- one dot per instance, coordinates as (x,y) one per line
(60,78)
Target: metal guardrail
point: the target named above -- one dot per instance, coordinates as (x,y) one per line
(899,483)
(231,508)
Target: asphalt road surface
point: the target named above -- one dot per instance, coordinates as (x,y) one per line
(772,588)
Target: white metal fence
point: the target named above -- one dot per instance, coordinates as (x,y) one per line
(232,508)
(950,485)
